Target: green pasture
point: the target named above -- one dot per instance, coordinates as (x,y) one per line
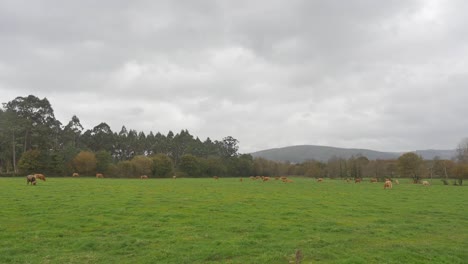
(88,220)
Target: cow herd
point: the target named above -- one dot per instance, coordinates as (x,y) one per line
(388,183)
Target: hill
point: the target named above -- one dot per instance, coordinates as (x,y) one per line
(301,153)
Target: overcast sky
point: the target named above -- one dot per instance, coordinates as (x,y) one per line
(383,75)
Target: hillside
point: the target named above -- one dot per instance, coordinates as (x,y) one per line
(302,153)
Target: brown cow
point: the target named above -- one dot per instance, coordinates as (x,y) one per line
(31,179)
(265,178)
(215,177)
(357,180)
(99,175)
(75,174)
(143,177)
(40,177)
(388,184)
(373,180)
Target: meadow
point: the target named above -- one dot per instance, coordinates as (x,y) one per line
(88,220)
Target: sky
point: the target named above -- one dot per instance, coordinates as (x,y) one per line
(384,75)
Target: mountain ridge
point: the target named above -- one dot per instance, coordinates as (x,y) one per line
(301,153)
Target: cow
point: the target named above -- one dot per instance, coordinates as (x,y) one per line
(31,179)
(320,180)
(99,175)
(425,183)
(265,178)
(388,184)
(373,180)
(143,177)
(215,177)
(75,174)
(174,177)
(40,177)
(357,180)
(397,182)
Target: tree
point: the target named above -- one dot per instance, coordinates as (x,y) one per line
(72,132)
(37,124)
(410,165)
(126,169)
(190,165)
(103,160)
(85,162)
(162,166)
(143,165)
(30,162)
(461,169)
(229,147)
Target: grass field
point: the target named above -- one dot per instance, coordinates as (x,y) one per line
(87,220)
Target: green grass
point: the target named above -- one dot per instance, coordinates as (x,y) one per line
(87,220)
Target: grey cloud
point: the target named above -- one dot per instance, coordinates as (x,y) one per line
(388,75)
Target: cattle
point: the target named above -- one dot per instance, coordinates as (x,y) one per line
(320,180)
(40,177)
(265,178)
(357,180)
(31,179)
(75,174)
(99,175)
(397,182)
(215,177)
(373,180)
(387,184)
(252,178)
(143,177)
(174,177)
(425,183)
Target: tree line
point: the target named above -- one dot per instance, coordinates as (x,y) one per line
(33,140)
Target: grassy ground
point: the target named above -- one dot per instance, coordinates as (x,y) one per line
(87,220)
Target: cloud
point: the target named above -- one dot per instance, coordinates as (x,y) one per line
(385,75)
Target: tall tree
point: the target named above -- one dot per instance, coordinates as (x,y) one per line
(229,147)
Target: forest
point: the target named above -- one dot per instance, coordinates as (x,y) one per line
(32,140)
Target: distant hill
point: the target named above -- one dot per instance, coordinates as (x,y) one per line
(297,154)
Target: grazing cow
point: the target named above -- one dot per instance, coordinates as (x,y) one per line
(99,175)
(320,180)
(75,174)
(265,178)
(425,183)
(388,184)
(31,179)
(215,177)
(143,177)
(40,177)
(373,180)
(357,180)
